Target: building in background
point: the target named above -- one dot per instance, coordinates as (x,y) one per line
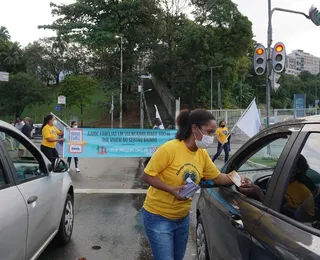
(298,61)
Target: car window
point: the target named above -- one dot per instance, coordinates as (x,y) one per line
(302,197)
(27,167)
(266,158)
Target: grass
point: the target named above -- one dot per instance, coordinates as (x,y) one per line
(264,161)
(94,115)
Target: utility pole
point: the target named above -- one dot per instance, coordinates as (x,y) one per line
(141,106)
(211,89)
(121,79)
(112,108)
(219,94)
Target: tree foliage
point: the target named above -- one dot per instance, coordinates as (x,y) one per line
(78,91)
(21,91)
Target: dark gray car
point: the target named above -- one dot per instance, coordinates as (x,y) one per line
(231,225)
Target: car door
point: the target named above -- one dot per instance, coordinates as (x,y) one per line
(13,215)
(289,236)
(232,215)
(41,191)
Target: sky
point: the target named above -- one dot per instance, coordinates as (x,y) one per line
(22,18)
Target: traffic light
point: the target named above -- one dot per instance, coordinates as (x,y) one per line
(278,57)
(314,15)
(260,60)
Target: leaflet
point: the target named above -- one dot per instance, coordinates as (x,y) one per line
(235,177)
(190,189)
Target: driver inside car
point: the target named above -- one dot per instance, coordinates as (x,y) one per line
(298,201)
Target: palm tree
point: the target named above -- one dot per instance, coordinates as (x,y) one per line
(12,56)
(4,33)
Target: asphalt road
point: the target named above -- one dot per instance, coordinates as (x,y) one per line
(110,221)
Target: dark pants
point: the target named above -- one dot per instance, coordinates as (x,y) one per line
(168,238)
(51,153)
(226,148)
(76,160)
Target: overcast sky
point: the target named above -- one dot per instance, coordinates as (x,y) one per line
(22,17)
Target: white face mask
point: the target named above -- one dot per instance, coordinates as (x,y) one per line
(205,141)
(55,122)
(75,126)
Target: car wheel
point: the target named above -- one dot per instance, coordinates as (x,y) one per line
(202,249)
(66,225)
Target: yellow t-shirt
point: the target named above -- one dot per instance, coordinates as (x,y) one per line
(49,132)
(297,194)
(173,163)
(222,134)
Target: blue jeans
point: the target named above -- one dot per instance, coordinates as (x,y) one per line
(226,148)
(168,238)
(76,160)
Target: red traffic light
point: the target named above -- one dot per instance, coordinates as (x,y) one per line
(279,48)
(260,51)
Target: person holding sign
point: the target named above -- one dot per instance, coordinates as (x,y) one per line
(74,124)
(175,170)
(50,138)
(223,137)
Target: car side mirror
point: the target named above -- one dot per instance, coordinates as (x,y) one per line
(59,166)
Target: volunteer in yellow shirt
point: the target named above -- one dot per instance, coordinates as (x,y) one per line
(223,135)
(50,137)
(165,212)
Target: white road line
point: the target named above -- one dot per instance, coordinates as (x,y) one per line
(111,191)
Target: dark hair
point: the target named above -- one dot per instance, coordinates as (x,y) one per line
(221,122)
(46,120)
(187,118)
(73,122)
(157,121)
(301,168)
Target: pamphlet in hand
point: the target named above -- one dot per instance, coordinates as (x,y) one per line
(190,189)
(235,177)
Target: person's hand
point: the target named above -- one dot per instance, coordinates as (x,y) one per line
(62,139)
(246,183)
(175,192)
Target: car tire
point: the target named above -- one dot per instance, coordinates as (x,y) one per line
(201,242)
(66,224)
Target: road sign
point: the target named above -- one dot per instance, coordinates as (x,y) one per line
(4,76)
(58,108)
(61,100)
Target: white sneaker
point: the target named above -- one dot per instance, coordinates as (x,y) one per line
(77,170)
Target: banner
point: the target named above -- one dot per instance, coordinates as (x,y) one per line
(114,143)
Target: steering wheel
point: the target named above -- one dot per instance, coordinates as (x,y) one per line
(262,182)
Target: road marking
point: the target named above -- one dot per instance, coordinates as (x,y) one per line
(111,191)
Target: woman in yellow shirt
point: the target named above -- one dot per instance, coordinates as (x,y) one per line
(165,212)
(50,138)
(223,135)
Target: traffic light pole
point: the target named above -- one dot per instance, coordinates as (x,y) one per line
(269,61)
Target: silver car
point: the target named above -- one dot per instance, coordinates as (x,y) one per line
(37,198)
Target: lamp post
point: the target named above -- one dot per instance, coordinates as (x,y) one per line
(140,89)
(121,77)
(219,92)
(313,16)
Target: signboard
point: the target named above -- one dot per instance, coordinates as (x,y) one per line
(58,108)
(4,76)
(299,105)
(114,143)
(61,100)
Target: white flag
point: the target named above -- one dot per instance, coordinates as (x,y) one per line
(158,116)
(250,121)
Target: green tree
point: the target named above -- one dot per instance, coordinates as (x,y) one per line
(78,91)
(21,91)
(4,34)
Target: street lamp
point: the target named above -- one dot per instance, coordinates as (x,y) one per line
(314,16)
(219,91)
(121,77)
(140,89)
